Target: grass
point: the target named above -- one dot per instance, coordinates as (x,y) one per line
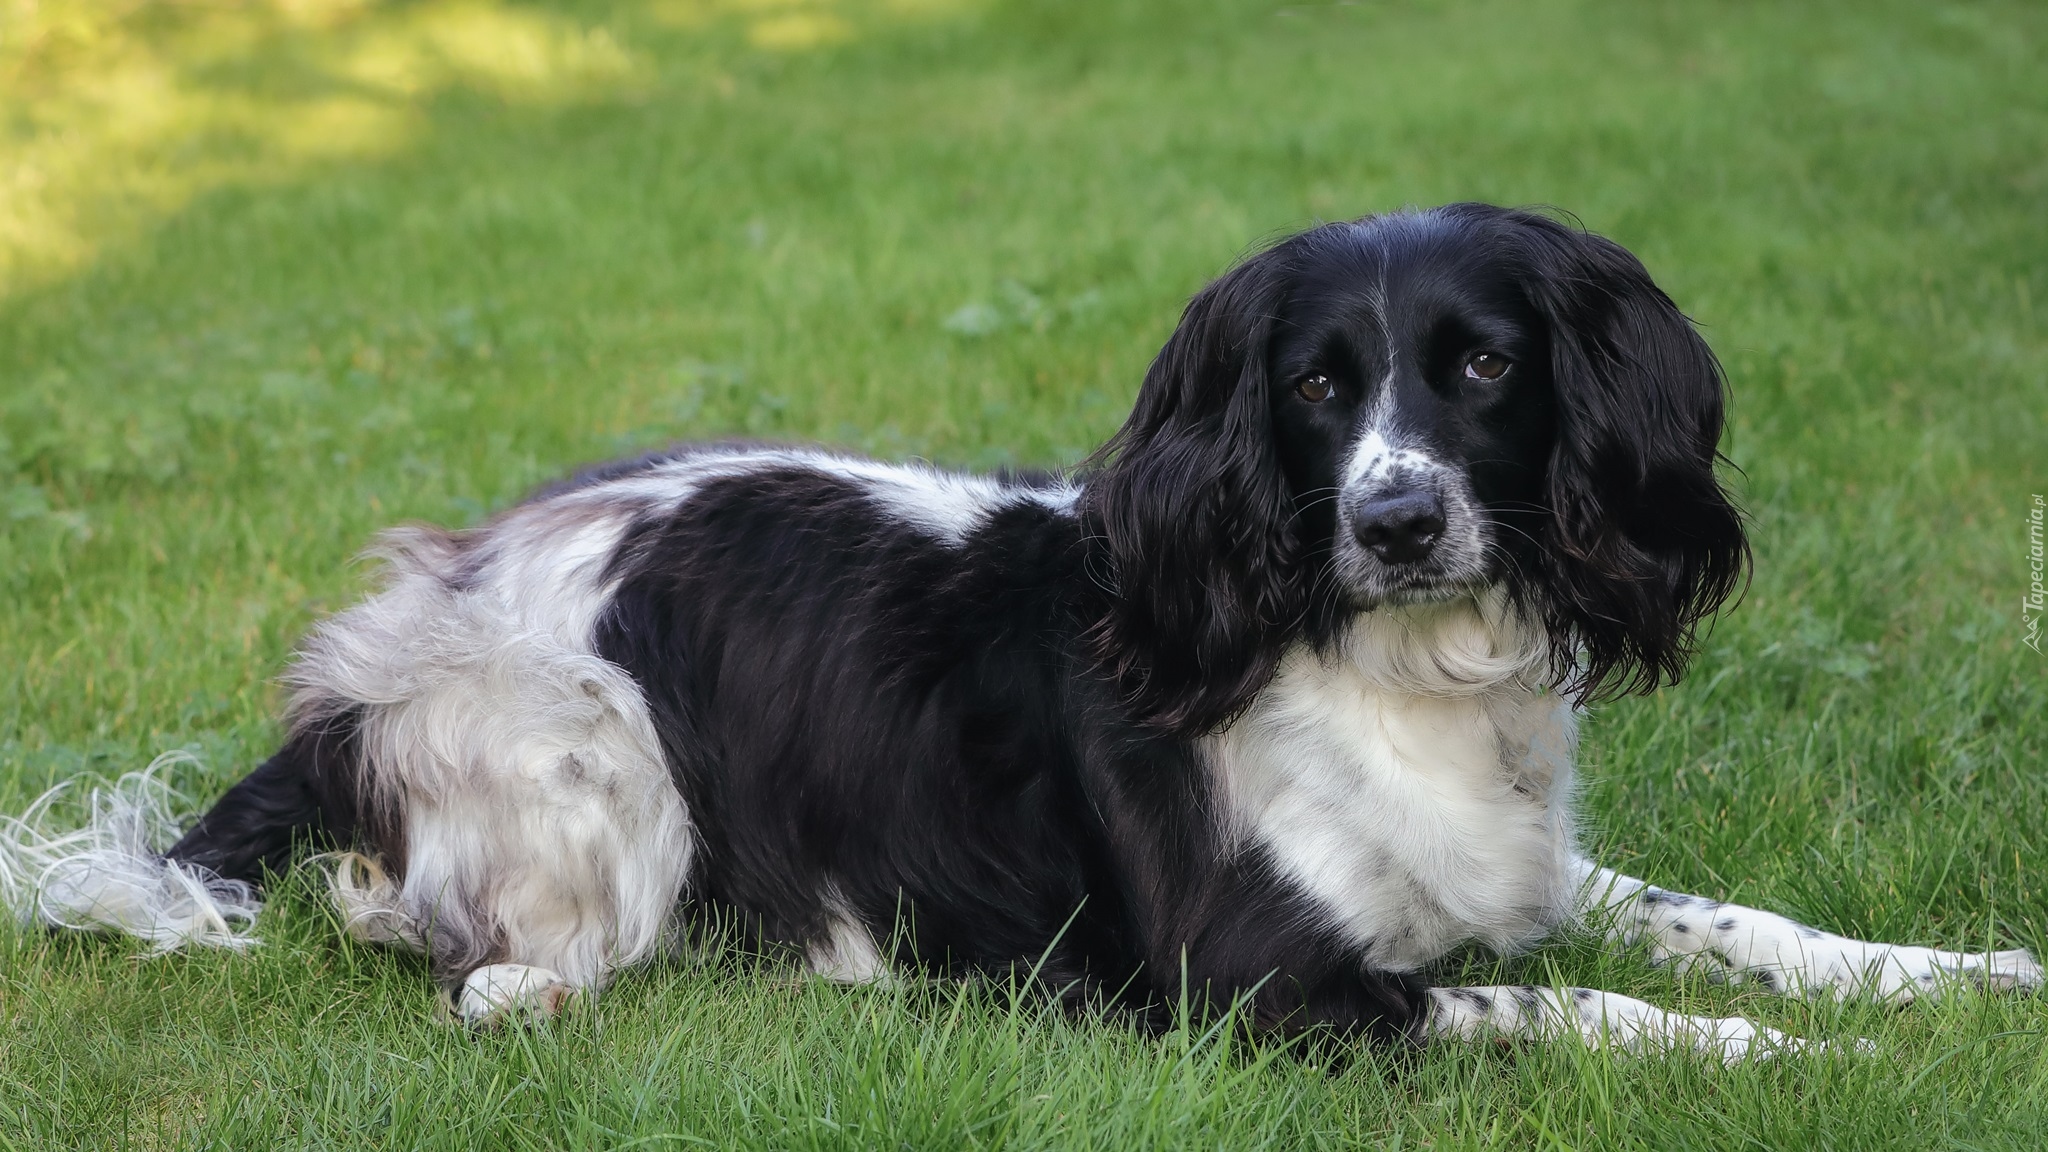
(275,275)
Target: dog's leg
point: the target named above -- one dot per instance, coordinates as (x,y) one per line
(542,844)
(1729,941)
(1598,1019)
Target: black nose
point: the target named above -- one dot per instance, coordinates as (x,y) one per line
(1400,529)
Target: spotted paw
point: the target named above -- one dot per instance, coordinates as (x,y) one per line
(1909,973)
(2015,970)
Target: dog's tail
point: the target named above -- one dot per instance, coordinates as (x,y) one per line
(112,875)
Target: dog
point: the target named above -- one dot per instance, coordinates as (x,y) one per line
(1270,703)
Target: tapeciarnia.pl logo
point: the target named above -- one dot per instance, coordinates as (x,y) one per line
(2037,561)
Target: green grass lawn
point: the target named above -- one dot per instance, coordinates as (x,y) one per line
(275,275)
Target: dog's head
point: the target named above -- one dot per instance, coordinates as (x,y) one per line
(1408,408)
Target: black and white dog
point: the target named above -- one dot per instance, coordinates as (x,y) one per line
(1276,695)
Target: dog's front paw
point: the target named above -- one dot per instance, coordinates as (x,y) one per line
(2014,970)
(1906,972)
(1738,1041)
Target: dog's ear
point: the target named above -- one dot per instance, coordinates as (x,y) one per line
(1192,519)
(1641,541)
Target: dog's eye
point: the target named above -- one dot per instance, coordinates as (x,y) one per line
(1315,389)
(1486,366)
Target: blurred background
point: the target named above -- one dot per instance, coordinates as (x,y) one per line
(277,273)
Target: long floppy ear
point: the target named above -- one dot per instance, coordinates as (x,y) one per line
(1192,518)
(1641,542)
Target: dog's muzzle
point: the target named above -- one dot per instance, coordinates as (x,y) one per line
(1412,535)
(1400,528)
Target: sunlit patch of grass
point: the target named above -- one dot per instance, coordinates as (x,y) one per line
(122,112)
(802,25)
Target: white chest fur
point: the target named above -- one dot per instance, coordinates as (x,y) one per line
(1415,784)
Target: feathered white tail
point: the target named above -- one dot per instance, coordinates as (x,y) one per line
(110,874)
